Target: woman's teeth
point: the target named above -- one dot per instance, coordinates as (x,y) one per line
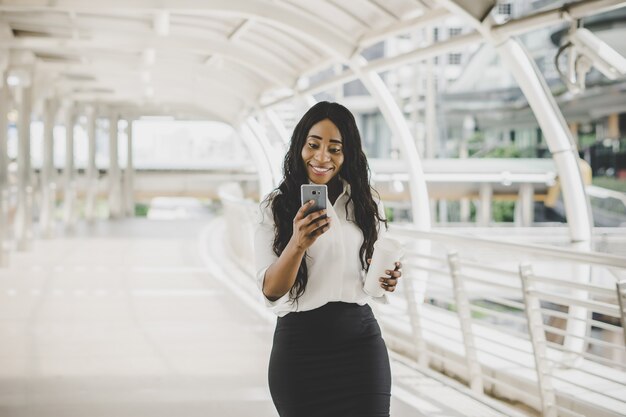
(320,170)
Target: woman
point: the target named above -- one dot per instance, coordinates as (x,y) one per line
(328,357)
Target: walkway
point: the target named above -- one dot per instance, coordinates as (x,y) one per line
(124,319)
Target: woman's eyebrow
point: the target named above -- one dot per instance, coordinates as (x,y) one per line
(318,137)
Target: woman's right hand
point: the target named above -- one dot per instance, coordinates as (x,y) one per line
(306,229)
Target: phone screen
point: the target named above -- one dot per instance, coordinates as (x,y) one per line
(314,192)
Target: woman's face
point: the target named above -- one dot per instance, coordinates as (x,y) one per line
(322,153)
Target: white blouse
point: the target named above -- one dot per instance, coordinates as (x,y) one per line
(334,268)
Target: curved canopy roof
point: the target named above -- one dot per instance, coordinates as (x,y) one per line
(215,59)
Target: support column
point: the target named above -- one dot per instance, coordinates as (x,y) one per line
(415,285)
(565,155)
(4,170)
(23,216)
(613,126)
(484,209)
(129,173)
(114,170)
(257,154)
(468,130)
(562,147)
(48,185)
(443,211)
(430,112)
(69,177)
(269,152)
(278,126)
(92,179)
(420,207)
(524,207)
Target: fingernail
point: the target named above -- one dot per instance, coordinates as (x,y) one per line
(387,272)
(382,280)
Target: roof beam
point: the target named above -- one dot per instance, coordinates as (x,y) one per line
(415,23)
(99,69)
(510,28)
(310,28)
(269,69)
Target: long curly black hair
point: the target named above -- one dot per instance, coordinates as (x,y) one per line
(285,200)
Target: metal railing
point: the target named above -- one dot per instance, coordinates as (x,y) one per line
(535,324)
(532,323)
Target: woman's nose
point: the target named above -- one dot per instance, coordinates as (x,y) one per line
(322,155)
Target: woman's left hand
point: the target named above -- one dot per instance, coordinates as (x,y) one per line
(389,282)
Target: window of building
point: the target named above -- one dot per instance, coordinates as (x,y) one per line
(454,59)
(436,34)
(504,8)
(454,32)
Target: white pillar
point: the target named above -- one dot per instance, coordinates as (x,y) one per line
(565,156)
(269,152)
(562,147)
(484,209)
(430,112)
(4,170)
(114,169)
(266,181)
(48,185)
(23,216)
(129,173)
(443,211)
(468,129)
(69,176)
(420,207)
(524,206)
(557,134)
(278,126)
(92,179)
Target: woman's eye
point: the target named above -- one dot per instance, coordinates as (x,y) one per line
(312,145)
(336,150)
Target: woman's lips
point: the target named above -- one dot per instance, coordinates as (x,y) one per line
(320,170)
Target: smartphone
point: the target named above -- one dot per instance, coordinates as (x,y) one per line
(314,192)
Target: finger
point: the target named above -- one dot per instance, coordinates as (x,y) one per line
(389,281)
(316,224)
(393,274)
(369,260)
(398,266)
(318,232)
(318,227)
(316,215)
(302,210)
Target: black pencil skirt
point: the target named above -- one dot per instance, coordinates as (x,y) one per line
(330,361)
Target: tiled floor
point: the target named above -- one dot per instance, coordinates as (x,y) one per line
(124,319)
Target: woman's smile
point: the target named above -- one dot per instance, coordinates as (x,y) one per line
(320,170)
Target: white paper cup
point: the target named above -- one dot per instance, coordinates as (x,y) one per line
(387,252)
